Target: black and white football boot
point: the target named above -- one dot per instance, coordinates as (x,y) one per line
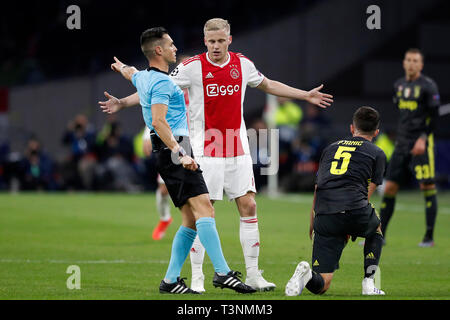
(178,287)
(231,281)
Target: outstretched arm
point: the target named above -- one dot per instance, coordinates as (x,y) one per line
(313,96)
(113,104)
(125,70)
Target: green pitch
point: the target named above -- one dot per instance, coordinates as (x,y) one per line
(108,236)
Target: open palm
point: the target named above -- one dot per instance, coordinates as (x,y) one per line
(112,105)
(322,100)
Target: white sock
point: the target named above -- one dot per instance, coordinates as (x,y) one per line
(197,256)
(163,206)
(249,235)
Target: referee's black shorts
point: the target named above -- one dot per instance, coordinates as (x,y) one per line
(181,183)
(331,231)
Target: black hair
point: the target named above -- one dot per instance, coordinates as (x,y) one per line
(149,37)
(366,120)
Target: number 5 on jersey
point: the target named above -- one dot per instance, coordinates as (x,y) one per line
(344,154)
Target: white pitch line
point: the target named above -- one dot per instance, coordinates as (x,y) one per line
(81,262)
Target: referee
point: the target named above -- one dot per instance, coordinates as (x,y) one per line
(164,112)
(417,98)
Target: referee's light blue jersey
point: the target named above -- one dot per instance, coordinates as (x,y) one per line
(156,87)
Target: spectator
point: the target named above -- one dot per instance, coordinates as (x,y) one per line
(117,159)
(287,118)
(78,168)
(4,152)
(37,168)
(259,153)
(312,137)
(385,141)
(146,162)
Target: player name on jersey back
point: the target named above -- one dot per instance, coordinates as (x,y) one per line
(345,170)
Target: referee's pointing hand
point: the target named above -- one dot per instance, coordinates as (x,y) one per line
(189,163)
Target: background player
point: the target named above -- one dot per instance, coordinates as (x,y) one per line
(417,99)
(164,112)
(217,81)
(349,172)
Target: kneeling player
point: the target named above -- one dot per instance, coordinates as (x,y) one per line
(349,172)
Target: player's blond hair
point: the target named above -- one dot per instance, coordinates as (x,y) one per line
(216,24)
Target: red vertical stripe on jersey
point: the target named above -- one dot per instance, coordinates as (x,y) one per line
(222,89)
(186,101)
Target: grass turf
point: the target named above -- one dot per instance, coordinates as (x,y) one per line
(109,237)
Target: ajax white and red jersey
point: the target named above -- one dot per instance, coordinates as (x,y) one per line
(216,97)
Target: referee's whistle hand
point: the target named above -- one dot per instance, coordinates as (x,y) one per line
(189,163)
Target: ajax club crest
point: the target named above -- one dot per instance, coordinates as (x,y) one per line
(234,73)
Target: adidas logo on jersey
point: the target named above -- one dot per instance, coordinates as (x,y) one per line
(209,76)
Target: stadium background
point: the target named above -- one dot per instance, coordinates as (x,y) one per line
(50,74)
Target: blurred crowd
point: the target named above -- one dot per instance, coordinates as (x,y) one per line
(105,159)
(303,133)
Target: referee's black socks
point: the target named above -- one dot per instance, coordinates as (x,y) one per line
(387,209)
(430,212)
(372,254)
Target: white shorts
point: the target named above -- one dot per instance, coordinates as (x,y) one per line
(160,180)
(234,176)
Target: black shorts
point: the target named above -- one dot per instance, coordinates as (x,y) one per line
(422,167)
(181,183)
(331,231)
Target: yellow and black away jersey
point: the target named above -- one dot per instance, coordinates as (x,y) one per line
(345,171)
(418,102)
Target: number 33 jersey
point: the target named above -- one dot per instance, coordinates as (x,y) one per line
(346,169)
(216,97)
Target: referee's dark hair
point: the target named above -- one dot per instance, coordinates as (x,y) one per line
(151,38)
(366,120)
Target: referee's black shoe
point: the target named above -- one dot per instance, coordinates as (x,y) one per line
(231,281)
(178,287)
